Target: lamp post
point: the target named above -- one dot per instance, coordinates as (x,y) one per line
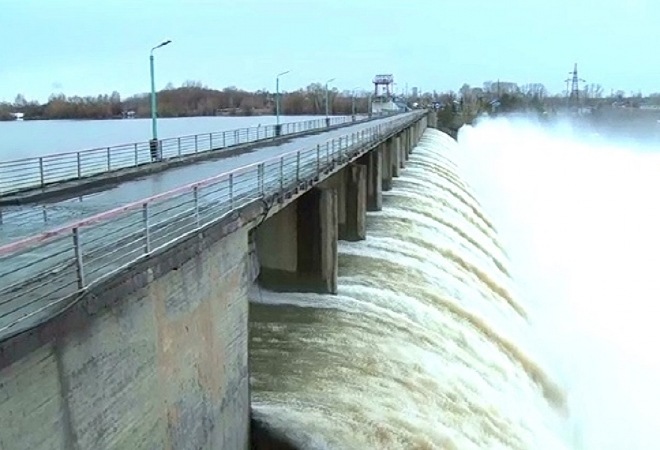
(370,111)
(327,103)
(153,144)
(353,103)
(278,128)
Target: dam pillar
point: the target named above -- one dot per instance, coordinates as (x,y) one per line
(351,186)
(395,151)
(355,228)
(386,164)
(297,247)
(338,182)
(403,157)
(404,141)
(374,182)
(432,119)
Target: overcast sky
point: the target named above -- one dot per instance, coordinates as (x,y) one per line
(88,47)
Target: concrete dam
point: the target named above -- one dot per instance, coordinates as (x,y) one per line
(361,300)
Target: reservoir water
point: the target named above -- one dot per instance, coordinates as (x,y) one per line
(31,138)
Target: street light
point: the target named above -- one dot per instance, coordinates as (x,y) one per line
(370,103)
(327,104)
(154,131)
(277,95)
(353,102)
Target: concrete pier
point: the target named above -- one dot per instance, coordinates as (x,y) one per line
(395,152)
(297,247)
(405,155)
(355,228)
(386,164)
(408,138)
(432,119)
(373,162)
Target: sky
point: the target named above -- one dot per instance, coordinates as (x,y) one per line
(85,47)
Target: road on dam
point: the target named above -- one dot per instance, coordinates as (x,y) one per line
(18,222)
(43,273)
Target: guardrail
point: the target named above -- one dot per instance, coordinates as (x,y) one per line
(40,272)
(38,172)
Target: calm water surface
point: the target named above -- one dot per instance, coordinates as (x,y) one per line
(42,137)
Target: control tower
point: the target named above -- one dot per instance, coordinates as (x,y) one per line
(383,99)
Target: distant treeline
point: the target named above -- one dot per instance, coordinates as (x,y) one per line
(191,99)
(195,99)
(456,109)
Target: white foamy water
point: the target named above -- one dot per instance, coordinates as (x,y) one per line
(580,219)
(428,344)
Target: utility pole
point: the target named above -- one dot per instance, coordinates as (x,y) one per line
(327,102)
(575,87)
(153,143)
(278,127)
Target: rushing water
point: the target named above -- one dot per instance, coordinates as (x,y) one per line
(578,214)
(428,344)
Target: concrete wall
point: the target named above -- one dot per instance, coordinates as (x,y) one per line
(155,359)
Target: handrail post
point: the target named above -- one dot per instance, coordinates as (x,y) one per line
(135,148)
(196,204)
(178,141)
(318,159)
(236,137)
(260,176)
(196,143)
(109,164)
(231,191)
(41,171)
(282,179)
(298,167)
(77,248)
(145,223)
(78,164)
(210,141)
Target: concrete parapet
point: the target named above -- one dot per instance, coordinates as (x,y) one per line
(297,247)
(155,357)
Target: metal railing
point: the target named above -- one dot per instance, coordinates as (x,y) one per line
(38,273)
(38,172)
